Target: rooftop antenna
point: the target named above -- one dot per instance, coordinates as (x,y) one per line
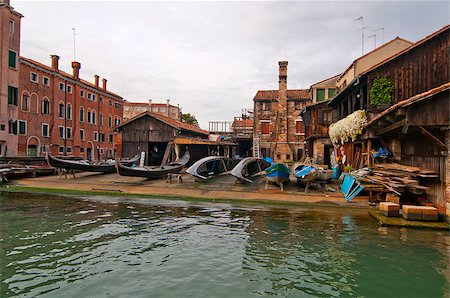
(382,35)
(361,18)
(375,39)
(74,52)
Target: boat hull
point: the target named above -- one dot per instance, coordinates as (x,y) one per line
(154,172)
(211,166)
(106,167)
(277,173)
(249,167)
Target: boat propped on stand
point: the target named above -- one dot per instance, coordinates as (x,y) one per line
(277,173)
(249,167)
(155,171)
(211,166)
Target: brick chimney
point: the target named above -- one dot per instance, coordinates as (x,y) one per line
(168,107)
(76,69)
(282,100)
(96,80)
(55,62)
(104,81)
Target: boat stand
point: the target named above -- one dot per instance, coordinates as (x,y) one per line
(66,173)
(279,183)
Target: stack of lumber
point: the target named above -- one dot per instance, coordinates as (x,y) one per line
(398,178)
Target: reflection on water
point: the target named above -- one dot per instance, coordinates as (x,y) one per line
(58,246)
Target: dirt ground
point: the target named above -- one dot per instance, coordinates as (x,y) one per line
(222,187)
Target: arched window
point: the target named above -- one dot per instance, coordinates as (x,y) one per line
(69,111)
(81,114)
(110,121)
(25,103)
(45,106)
(94,117)
(61,110)
(89,116)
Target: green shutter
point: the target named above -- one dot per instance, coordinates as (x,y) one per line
(12,59)
(331,92)
(320,94)
(13,95)
(22,127)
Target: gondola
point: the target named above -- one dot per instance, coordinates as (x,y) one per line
(249,167)
(88,166)
(211,166)
(156,171)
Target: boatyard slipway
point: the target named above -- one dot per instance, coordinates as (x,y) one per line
(219,188)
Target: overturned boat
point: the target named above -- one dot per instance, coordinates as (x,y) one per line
(211,166)
(156,171)
(305,173)
(108,166)
(249,167)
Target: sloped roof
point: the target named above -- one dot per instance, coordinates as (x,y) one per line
(169,121)
(242,123)
(273,94)
(69,76)
(146,104)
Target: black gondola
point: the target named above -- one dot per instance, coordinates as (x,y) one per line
(156,171)
(88,166)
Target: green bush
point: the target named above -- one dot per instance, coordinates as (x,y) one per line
(381,91)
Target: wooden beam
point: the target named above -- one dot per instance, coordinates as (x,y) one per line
(430,136)
(391,127)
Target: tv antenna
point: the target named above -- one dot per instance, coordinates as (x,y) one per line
(375,39)
(74,49)
(382,33)
(361,18)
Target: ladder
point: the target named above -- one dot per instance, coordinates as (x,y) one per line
(257,147)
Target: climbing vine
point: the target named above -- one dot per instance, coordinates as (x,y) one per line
(381,91)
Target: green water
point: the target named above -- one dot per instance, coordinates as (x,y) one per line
(54,246)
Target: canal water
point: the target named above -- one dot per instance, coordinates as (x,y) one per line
(53,246)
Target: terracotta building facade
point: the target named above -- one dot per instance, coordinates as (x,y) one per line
(63,114)
(132,109)
(9,77)
(278,129)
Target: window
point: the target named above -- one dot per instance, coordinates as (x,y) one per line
(69,89)
(110,138)
(82,134)
(93,97)
(299,129)
(116,121)
(95,136)
(298,105)
(94,117)
(22,127)
(102,137)
(101,150)
(45,148)
(12,61)
(69,149)
(81,150)
(45,107)
(331,92)
(266,106)
(61,132)
(163,110)
(327,116)
(12,127)
(265,127)
(110,121)
(13,94)
(68,132)
(46,81)
(155,109)
(82,93)
(11,26)
(61,109)
(81,114)
(34,77)
(89,96)
(320,94)
(69,111)
(89,116)
(45,132)
(100,119)
(61,149)
(110,103)
(61,86)
(26,102)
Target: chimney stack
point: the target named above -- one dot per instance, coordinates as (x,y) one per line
(55,62)
(96,79)
(104,81)
(168,107)
(149,105)
(76,69)
(282,100)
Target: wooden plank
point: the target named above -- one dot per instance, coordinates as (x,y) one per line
(431,137)
(392,127)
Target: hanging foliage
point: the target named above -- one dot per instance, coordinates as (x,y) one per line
(381,91)
(348,128)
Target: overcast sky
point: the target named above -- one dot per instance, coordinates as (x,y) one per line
(212,57)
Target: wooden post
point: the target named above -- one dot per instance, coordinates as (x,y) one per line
(369,148)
